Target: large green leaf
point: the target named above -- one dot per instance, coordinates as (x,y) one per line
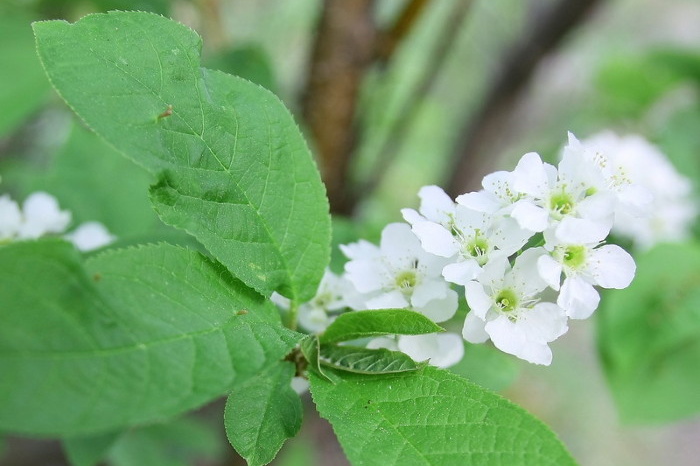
(262,413)
(24,87)
(139,335)
(353,325)
(649,337)
(431,417)
(238,174)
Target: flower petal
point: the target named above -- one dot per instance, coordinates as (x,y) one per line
(473,330)
(578,298)
(614,268)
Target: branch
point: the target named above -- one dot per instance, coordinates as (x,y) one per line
(390,39)
(342,53)
(487,127)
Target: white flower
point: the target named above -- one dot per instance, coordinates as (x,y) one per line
(400,274)
(506,308)
(90,236)
(579,255)
(473,237)
(439,349)
(575,189)
(655,200)
(436,206)
(334,294)
(41,215)
(10,218)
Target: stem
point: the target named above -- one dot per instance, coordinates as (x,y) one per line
(293,315)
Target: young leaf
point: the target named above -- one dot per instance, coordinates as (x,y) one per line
(310,349)
(367,361)
(262,413)
(431,417)
(649,337)
(353,325)
(238,174)
(140,335)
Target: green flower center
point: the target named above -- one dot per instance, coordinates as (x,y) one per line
(561,203)
(406,280)
(507,301)
(574,256)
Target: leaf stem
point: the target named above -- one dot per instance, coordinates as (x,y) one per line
(293,314)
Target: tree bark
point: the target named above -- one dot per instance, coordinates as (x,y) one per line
(342,54)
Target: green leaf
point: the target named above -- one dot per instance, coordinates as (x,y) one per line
(262,413)
(139,335)
(353,325)
(649,337)
(487,366)
(24,87)
(310,349)
(238,174)
(367,361)
(431,417)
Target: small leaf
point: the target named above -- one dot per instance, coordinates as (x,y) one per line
(367,361)
(136,336)
(234,169)
(431,417)
(310,348)
(649,337)
(363,324)
(262,413)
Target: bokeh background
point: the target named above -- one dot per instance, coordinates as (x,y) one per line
(461,88)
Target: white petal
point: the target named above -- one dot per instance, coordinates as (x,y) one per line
(440,310)
(411,216)
(530,216)
(366,275)
(435,239)
(530,176)
(90,236)
(550,271)
(10,217)
(42,215)
(578,298)
(481,201)
(614,267)
(399,244)
(428,290)
(510,338)
(473,330)
(477,299)
(461,272)
(391,300)
(435,204)
(582,231)
(383,342)
(543,323)
(360,250)
(443,350)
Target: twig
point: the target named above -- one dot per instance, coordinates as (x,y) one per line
(488,125)
(390,39)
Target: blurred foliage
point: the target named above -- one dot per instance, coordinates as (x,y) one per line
(249,62)
(649,337)
(176,443)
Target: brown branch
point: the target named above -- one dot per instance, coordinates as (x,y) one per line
(485,130)
(391,146)
(342,53)
(389,40)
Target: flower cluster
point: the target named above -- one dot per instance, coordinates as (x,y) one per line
(40,215)
(528,250)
